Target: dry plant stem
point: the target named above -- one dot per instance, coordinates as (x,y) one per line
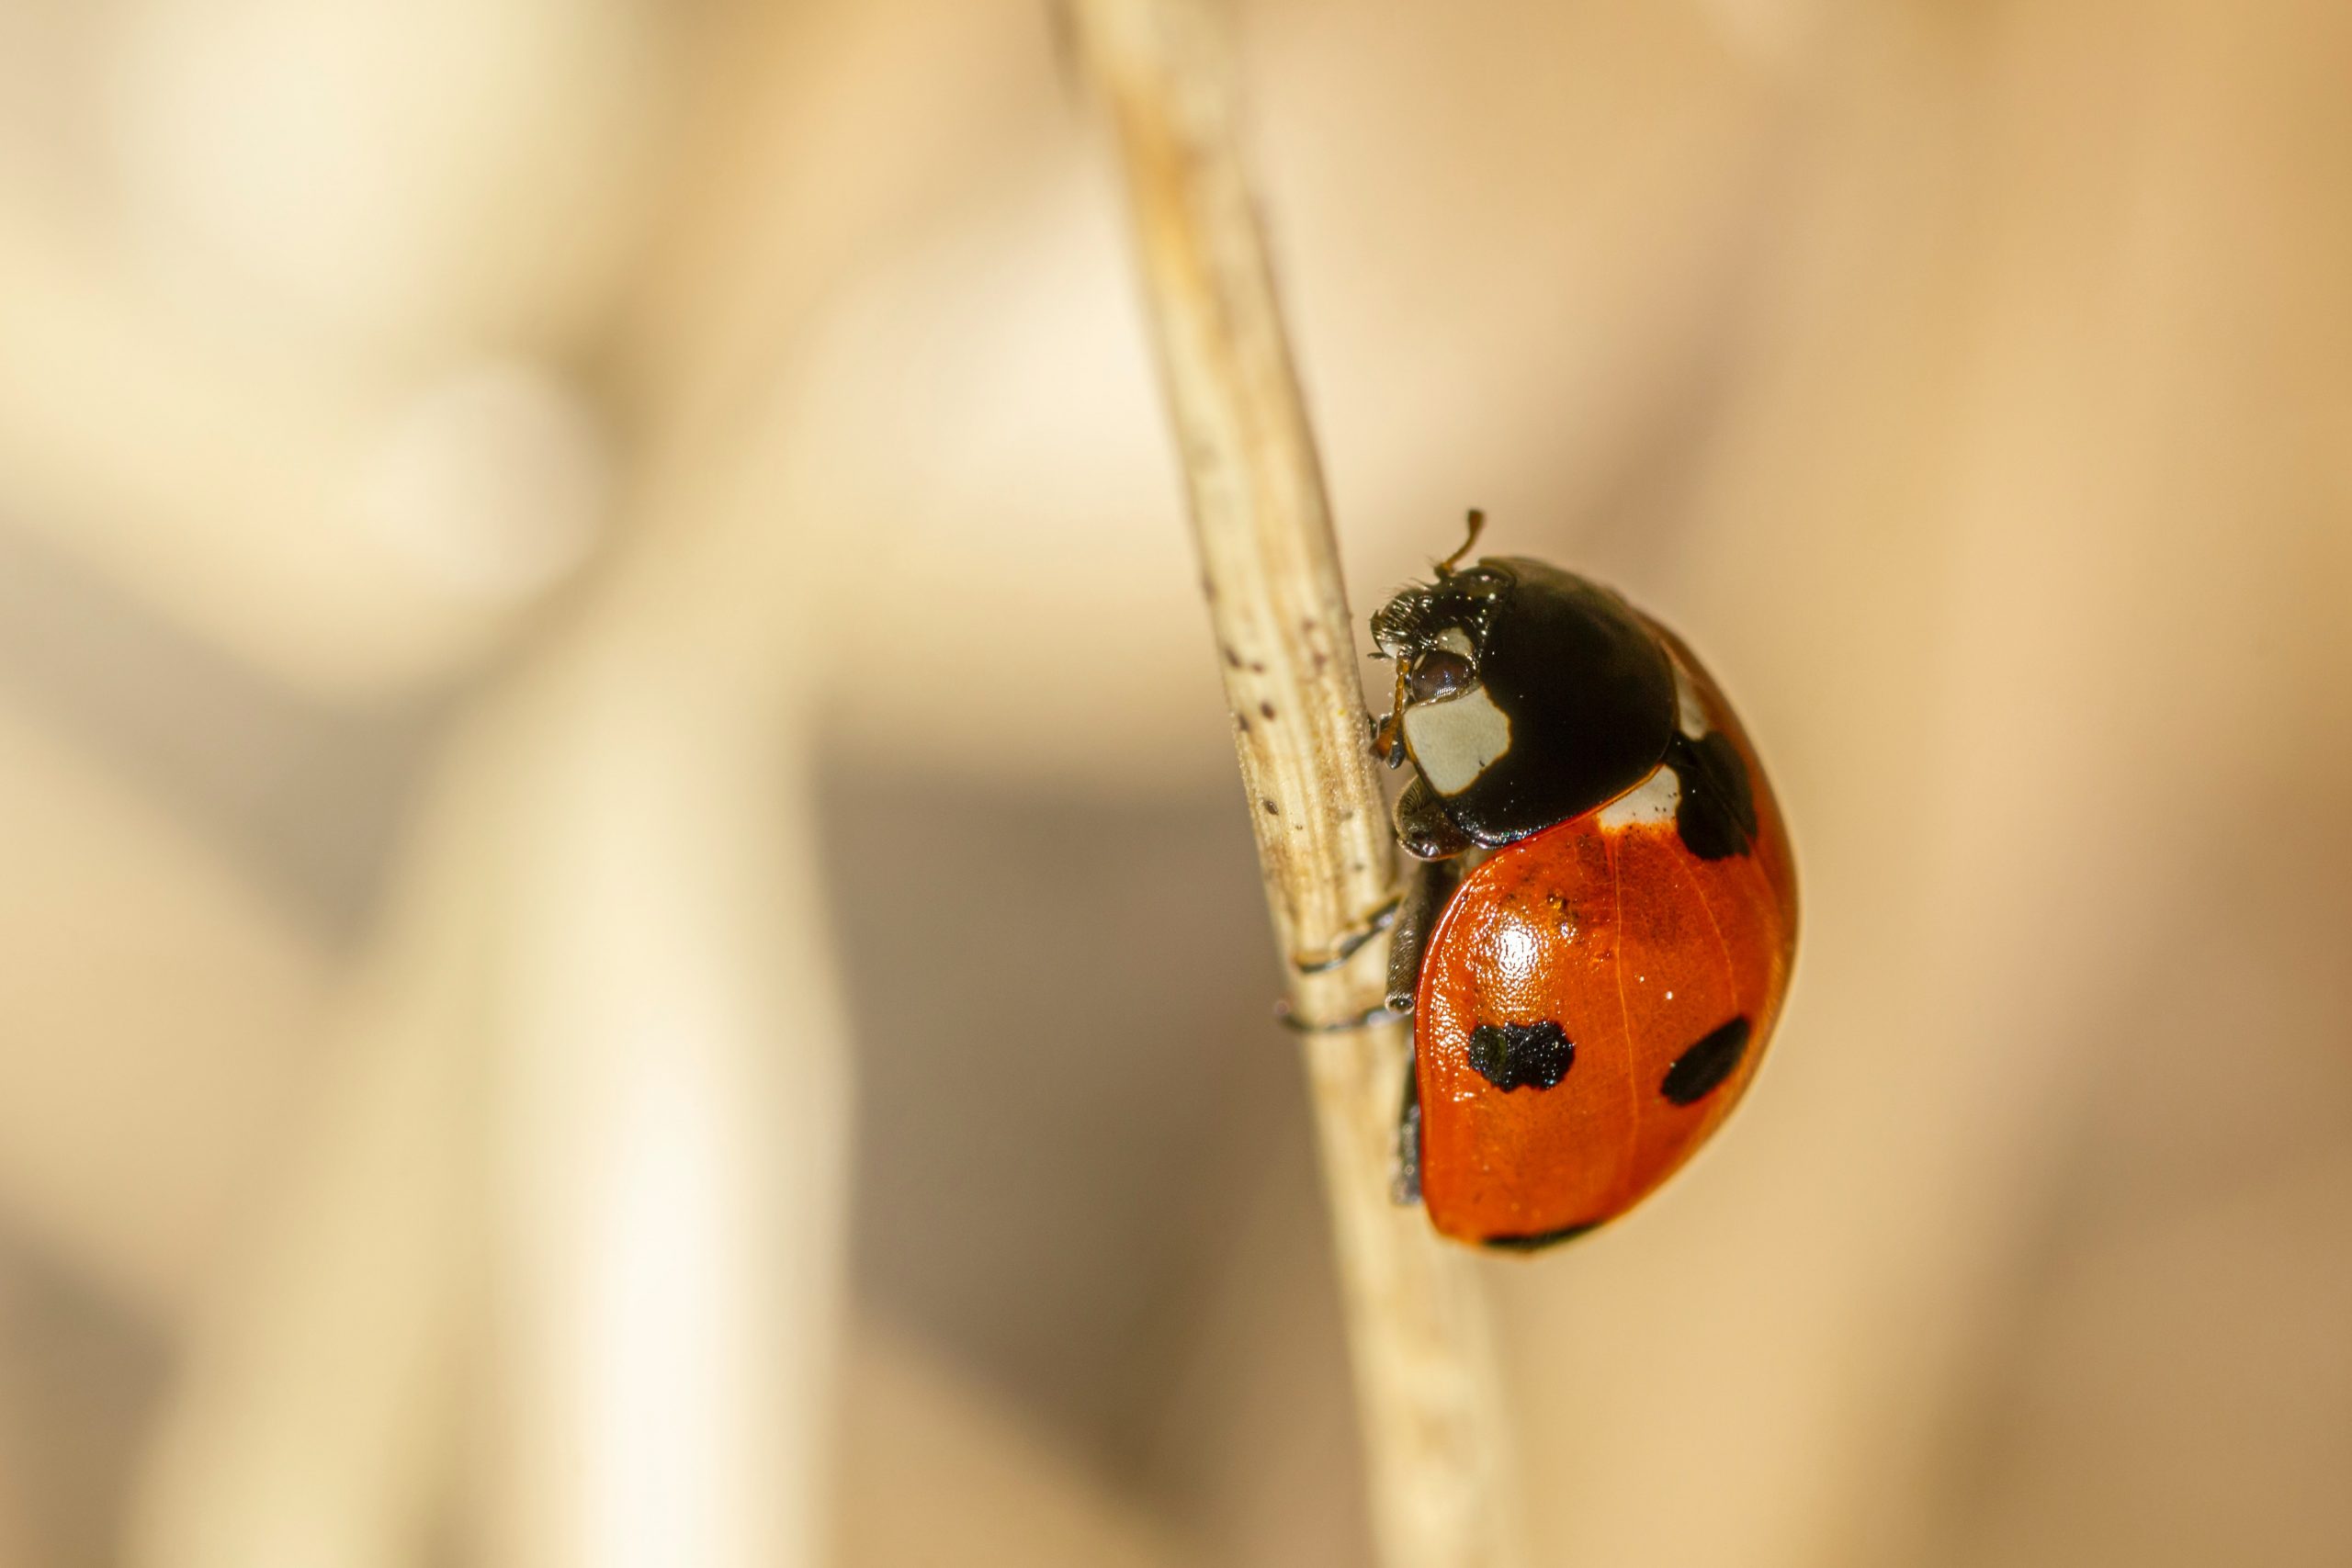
(1436,1438)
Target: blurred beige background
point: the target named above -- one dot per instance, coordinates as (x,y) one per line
(627,938)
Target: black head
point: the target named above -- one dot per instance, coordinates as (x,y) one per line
(1525,695)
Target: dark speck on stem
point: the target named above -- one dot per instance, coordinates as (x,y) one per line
(1265,710)
(1271,810)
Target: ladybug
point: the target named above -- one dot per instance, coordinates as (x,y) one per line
(1596,941)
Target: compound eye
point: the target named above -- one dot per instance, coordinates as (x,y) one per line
(1437,673)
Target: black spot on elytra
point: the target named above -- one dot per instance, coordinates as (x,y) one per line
(1539,1239)
(1521,1055)
(1716,815)
(1700,1070)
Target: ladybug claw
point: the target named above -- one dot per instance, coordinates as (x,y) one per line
(1349,945)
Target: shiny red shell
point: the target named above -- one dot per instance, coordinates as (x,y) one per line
(1646,956)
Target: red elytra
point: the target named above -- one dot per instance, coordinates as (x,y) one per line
(1664,972)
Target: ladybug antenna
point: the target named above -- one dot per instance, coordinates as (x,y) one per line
(1477,527)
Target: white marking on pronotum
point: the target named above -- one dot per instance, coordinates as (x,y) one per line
(1690,713)
(1653,800)
(1454,740)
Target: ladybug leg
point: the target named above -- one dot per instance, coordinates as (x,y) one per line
(1426,895)
(1405,1174)
(1424,828)
(1430,886)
